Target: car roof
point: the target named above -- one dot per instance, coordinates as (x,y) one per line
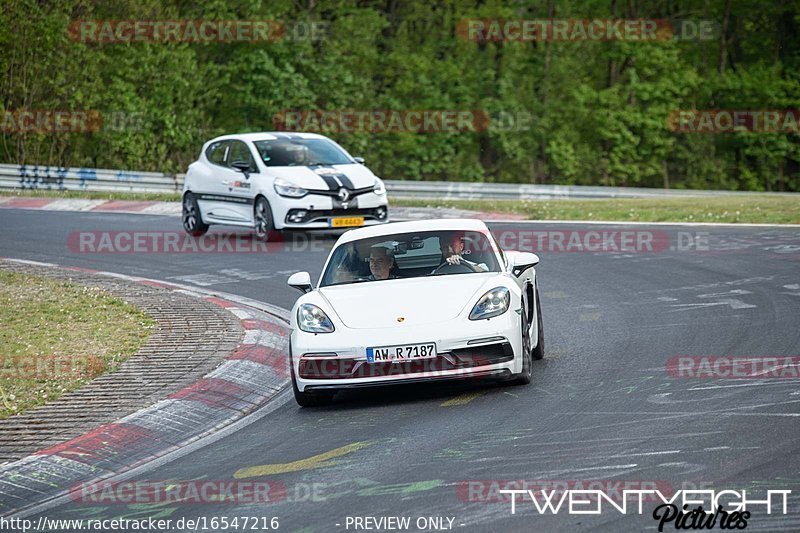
(441,224)
(268,136)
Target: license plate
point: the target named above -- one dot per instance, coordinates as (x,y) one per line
(405,352)
(342,222)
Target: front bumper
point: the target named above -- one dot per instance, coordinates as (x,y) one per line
(487,348)
(315,211)
(500,373)
(320,218)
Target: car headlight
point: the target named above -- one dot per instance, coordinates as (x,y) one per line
(286,188)
(312,319)
(493,303)
(379,187)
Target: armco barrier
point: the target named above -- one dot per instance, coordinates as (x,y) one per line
(452,190)
(31,177)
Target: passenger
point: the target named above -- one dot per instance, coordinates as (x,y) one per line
(348,268)
(381,262)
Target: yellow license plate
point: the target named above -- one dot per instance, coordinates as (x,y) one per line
(342,222)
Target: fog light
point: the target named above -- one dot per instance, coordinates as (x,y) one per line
(298,216)
(380,212)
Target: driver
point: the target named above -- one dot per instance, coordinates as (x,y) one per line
(452,249)
(380,263)
(298,155)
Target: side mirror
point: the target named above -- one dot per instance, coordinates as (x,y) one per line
(522,261)
(359,160)
(300,281)
(243,167)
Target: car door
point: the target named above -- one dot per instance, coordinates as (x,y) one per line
(205,173)
(230,195)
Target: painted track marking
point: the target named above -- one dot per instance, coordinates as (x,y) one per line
(309,463)
(462,399)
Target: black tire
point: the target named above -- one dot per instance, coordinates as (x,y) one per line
(526,376)
(308,399)
(264,225)
(538,351)
(192,219)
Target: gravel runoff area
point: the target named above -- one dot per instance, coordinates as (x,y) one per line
(192,336)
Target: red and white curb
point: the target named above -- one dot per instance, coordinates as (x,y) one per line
(250,376)
(103,206)
(174,208)
(398,214)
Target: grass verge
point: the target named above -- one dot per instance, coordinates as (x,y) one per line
(92,195)
(56,336)
(752,209)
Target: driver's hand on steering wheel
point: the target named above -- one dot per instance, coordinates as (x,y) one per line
(454,259)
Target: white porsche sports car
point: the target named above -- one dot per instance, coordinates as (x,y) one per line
(414,301)
(276,180)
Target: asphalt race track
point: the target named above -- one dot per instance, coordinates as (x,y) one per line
(602,407)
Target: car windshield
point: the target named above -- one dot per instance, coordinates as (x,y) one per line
(301,153)
(410,255)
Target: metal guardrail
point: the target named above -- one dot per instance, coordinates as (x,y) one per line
(87,179)
(92,179)
(449,190)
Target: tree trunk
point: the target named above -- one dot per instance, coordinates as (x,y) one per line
(723,37)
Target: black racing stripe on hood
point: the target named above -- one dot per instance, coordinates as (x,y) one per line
(339,176)
(330,181)
(335,180)
(345,181)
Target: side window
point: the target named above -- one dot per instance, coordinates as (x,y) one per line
(240,152)
(217,151)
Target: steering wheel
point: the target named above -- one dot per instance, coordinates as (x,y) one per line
(460,265)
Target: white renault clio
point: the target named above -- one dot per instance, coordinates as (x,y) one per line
(280,180)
